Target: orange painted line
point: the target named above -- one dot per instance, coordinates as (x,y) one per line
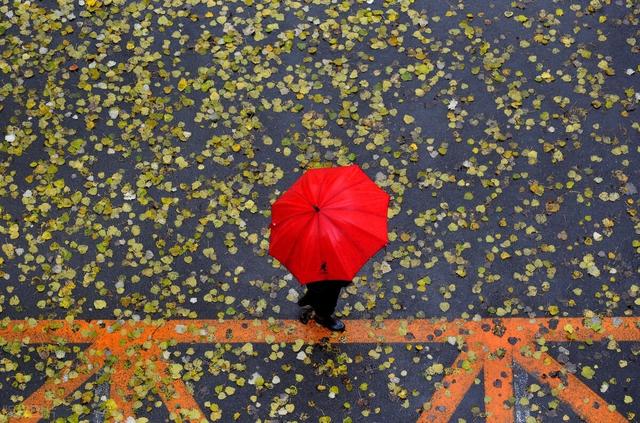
(620,329)
(203,331)
(180,399)
(358,331)
(586,403)
(49,331)
(498,387)
(454,385)
(137,341)
(36,417)
(42,400)
(572,328)
(119,389)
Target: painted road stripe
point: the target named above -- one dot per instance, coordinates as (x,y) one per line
(492,346)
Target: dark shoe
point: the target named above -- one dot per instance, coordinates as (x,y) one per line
(330,323)
(305,314)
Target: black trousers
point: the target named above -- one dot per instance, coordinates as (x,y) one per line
(323,296)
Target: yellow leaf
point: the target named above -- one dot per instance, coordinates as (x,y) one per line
(8,250)
(181,162)
(536,188)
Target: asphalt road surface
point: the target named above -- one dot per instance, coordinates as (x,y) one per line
(143,142)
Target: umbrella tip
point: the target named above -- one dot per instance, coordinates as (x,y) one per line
(316,208)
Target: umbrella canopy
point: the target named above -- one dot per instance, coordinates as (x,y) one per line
(328,224)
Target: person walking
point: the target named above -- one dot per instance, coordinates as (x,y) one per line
(323,229)
(320,301)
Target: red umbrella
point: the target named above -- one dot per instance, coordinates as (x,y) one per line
(329,223)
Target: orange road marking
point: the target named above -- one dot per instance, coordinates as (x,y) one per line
(454,385)
(42,400)
(494,343)
(498,386)
(587,404)
(359,331)
(620,329)
(36,417)
(119,389)
(180,399)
